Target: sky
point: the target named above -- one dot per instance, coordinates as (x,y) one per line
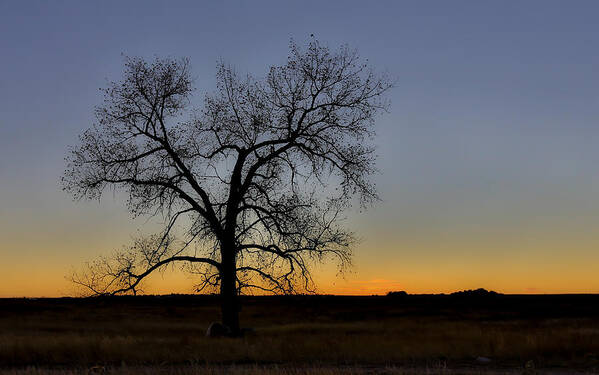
(488,156)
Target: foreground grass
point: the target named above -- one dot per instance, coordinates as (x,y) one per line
(194,370)
(407,342)
(329,336)
(262,370)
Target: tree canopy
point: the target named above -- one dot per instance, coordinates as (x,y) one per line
(252,186)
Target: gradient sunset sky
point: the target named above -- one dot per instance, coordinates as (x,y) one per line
(489,156)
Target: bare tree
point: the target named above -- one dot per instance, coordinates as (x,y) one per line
(251,188)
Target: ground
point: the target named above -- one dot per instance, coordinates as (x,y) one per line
(303,335)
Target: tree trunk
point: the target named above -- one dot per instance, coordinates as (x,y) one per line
(228,293)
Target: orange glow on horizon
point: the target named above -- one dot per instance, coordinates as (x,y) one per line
(181,284)
(417,266)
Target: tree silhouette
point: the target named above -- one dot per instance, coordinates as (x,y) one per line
(251,188)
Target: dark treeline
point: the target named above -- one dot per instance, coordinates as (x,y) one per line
(461,305)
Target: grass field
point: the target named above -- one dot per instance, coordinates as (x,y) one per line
(301,335)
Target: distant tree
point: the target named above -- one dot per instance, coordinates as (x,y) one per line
(475,293)
(398,294)
(251,187)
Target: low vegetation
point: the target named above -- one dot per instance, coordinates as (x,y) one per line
(297,335)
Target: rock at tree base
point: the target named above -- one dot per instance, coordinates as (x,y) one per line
(216,329)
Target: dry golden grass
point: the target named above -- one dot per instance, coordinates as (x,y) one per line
(253,370)
(331,338)
(282,370)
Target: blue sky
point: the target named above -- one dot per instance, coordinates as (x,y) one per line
(489,154)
